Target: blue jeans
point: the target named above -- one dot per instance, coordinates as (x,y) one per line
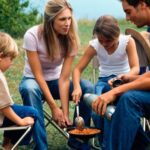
(102,85)
(85,112)
(101,123)
(126,132)
(33,96)
(26,111)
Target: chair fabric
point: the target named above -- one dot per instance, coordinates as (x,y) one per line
(142,40)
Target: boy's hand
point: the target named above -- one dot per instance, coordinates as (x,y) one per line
(27,121)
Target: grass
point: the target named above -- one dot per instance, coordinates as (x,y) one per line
(14,75)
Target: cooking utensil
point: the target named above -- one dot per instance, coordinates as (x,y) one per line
(79,121)
(83,136)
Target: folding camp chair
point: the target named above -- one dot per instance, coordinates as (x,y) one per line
(95,65)
(143,49)
(146,124)
(15,128)
(49,121)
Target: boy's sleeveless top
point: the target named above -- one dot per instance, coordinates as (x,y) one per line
(5,98)
(51,69)
(115,63)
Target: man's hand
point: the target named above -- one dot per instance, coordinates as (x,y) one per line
(100,104)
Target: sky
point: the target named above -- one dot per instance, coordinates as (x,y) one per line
(92,9)
(89,9)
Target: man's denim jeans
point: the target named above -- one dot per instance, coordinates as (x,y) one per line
(126,132)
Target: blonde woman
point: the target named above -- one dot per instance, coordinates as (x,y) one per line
(50,50)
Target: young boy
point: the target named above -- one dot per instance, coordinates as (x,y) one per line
(10,113)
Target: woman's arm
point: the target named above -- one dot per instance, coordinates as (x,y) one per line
(64,85)
(11,115)
(36,68)
(132,57)
(35,65)
(84,61)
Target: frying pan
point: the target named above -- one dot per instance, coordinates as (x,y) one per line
(81,135)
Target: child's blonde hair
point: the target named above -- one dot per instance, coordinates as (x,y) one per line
(8,46)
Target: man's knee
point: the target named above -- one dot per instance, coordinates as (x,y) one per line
(128,101)
(126,97)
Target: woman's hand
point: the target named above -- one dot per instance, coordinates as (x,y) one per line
(68,122)
(100,104)
(76,95)
(58,116)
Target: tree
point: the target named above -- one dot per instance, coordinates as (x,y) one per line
(14,17)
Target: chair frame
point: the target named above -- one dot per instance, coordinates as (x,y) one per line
(146,124)
(50,120)
(14,128)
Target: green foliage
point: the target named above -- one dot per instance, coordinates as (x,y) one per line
(14,19)
(85,30)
